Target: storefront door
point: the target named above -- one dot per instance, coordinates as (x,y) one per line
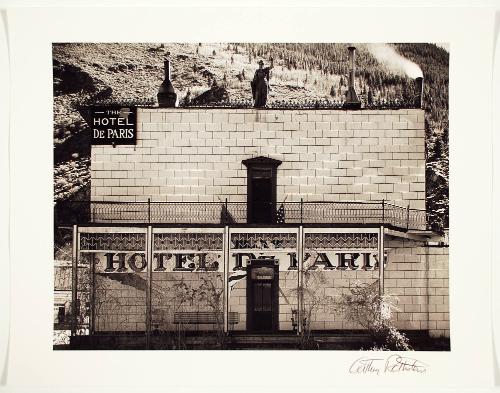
(262,295)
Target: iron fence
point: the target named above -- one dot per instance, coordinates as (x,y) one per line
(395,103)
(226,212)
(245,103)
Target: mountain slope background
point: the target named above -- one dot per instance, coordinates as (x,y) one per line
(301,72)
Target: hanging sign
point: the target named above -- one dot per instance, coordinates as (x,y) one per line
(113,125)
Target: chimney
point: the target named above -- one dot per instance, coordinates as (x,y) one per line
(167,97)
(352,101)
(419,87)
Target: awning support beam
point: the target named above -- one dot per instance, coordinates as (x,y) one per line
(381,258)
(74,286)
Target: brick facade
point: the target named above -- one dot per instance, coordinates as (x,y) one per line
(195,155)
(416,275)
(328,155)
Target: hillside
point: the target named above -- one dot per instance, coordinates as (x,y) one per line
(302,71)
(434,62)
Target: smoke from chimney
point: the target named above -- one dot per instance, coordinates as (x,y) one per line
(385,54)
(396,63)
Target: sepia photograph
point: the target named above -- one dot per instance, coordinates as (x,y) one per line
(263,196)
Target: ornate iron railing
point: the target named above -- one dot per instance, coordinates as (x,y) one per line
(147,102)
(396,103)
(188,213)
(242,103)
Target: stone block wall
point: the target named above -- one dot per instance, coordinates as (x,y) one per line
(288,300)
(417,275)
(238,303)
(120,302)
(337,282)
(439,291)
(173,292)
(328,155)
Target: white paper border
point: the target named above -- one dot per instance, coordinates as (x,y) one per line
(470,33)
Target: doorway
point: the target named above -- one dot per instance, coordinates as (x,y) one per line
(261,190)
(262,295)
(261,206)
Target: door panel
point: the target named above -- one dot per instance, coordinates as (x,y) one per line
(262,306)
(261,190)
(262,201)
(262,296)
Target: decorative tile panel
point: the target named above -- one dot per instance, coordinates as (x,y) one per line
(113,241)
(263,240)
(187,241)
(337,241)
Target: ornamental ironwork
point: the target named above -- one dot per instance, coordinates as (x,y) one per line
(335,241)
(231,213)
(263,240)
(187,241)
(113,241)
(246,103)
(396,103)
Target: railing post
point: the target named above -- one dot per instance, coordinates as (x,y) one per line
(301,209)
(381,257)
(383,211)
(408,217)
(92,295)
(74,284)
(300,268)
(226,213)
(149,283)
(225,305)
(149,210)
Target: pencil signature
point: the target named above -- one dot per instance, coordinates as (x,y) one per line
(390,365)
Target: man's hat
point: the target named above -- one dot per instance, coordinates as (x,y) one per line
(261,62)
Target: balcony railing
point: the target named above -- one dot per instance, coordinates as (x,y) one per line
(230,213)
(412,102)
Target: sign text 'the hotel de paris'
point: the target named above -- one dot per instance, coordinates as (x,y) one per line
(114,125)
